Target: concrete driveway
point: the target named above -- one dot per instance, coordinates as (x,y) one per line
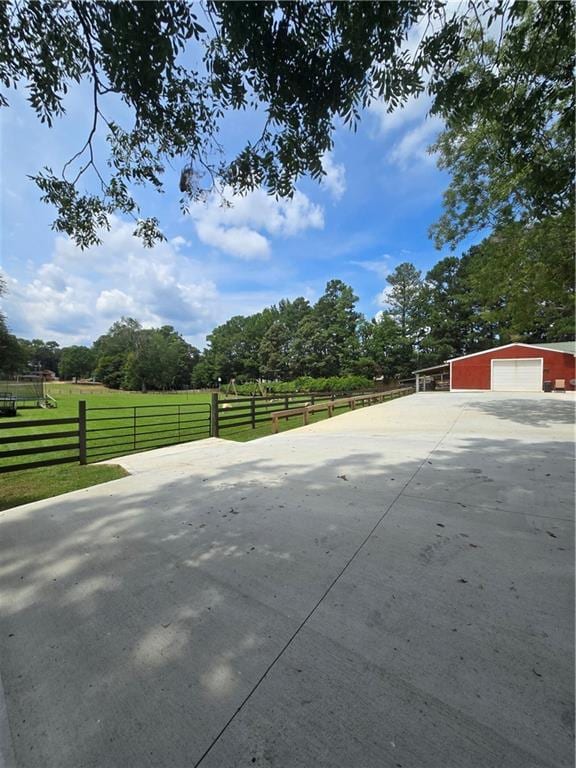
(392,588)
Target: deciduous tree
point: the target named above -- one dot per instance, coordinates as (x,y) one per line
(508,105)
(303,68)
(76,362)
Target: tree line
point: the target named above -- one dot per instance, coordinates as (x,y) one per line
(516,285)
(500,75)
(128,356)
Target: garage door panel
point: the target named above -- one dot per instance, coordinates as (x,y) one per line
(521,375)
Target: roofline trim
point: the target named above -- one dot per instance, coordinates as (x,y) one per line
(433,368)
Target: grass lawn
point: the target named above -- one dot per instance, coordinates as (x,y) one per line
(156,425)
(29,485)
(69,395)
(34,484)
(244,434)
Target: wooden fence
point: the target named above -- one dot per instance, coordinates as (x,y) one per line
(237,412)
(343,402)
(123,429)
(100,433)
(248,412)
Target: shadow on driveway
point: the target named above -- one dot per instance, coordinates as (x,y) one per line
(534,413)
(134,623)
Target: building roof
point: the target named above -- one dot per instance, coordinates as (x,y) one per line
(433,369)
(557,346)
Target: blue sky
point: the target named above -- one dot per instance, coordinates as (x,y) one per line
(381,193)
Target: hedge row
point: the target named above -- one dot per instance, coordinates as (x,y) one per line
(310,384)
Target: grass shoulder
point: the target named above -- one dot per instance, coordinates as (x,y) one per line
(29,485)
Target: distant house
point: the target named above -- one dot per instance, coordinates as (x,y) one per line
(45,374)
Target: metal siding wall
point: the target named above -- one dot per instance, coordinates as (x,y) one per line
(474,372)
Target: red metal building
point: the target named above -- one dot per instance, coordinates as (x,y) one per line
(516,368)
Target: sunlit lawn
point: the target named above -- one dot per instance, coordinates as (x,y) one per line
(34,484)
(21,487)
(28,485)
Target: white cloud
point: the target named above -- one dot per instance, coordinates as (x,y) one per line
(413,146)
(115,303)
(241,242)
(75,295)
(380,267)
(416,107)
(237,229)
(414,111)
(335,176)
(410,127)
(411,131)
(383,298)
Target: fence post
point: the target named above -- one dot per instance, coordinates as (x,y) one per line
(82,431)
(286,404)
(253,412)
(214,414)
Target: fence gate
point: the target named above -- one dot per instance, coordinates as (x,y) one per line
(119,430)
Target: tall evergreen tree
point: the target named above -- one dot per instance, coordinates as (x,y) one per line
(326,341)
(404,299)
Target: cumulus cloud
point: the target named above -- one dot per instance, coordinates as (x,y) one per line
(335,176)
(409,130)
(115,303)
(239,228)
(383,298)
(413,146)
(414,111)
(241,242)
(76,295)
(380,267)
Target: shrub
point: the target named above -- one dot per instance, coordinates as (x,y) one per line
(351,383)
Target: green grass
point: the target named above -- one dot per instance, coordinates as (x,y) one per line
(117,439)
(18,488)
(28,485)
(21,487)
(245,434)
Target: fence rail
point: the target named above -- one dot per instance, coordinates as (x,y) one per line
(32,433)
(249,412)
(233,413)
(331,405)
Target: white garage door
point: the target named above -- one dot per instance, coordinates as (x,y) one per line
(517,375)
